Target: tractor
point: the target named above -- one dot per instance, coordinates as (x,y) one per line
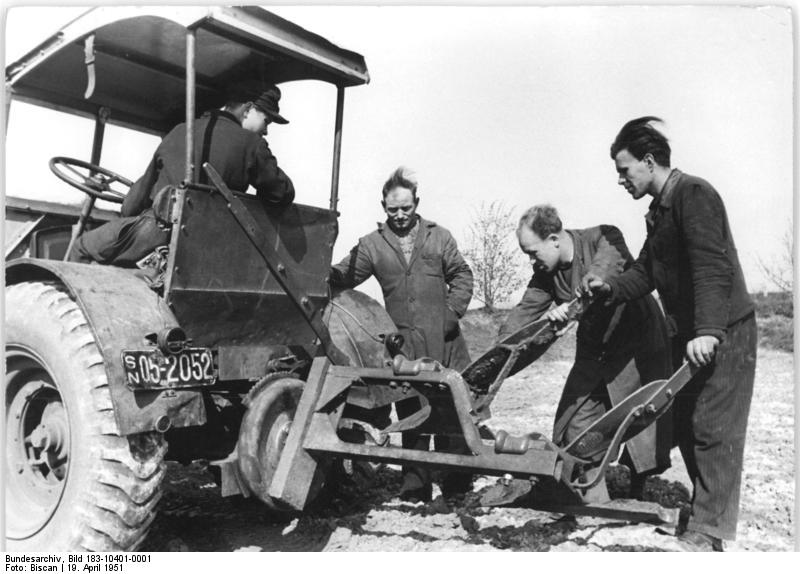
(240,354)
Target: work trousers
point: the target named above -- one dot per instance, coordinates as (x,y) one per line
(710,415)
(121,242)
(420,476)
(456,357)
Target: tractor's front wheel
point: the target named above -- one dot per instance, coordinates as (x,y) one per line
(72,483)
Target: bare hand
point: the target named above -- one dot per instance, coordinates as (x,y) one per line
(558,314)
(701,350)
(593,284)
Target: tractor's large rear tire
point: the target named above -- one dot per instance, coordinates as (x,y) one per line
(72,483)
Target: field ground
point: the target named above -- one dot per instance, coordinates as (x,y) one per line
(526,403)
(364,515)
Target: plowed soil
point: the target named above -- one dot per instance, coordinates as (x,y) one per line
(363,514)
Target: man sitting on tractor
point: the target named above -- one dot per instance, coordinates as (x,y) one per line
(230,139)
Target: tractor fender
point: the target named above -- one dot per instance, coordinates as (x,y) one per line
(358,324)
(120,309)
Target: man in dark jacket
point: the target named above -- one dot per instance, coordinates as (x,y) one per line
(426,287)
(619,348)
(690,258)
(231,140)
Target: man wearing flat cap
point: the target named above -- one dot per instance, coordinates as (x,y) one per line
(231,139)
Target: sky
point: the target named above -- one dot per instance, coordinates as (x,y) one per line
(515,104)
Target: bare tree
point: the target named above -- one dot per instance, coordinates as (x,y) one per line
(491,251)
(779,270)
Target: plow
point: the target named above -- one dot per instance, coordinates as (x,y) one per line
(294,431)
(457,405)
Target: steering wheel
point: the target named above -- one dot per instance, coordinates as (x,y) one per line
(96,181)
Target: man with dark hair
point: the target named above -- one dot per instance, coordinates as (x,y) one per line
(426,287)
(230,139)
(619,348)
(690,258)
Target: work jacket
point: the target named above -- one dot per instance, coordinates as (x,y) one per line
(609,334)
(690,258)
(418,293)
(623,346)
(241,157)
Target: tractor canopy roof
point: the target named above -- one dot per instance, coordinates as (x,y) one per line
(132,60)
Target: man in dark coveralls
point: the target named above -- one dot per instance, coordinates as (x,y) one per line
(690,258)
(426,287)
(619,348)
(230,139)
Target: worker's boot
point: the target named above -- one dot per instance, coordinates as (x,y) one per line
(597,493)
(638,481)
(417,485)
(694,541)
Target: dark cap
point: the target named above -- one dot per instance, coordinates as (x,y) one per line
(267,102)
(264,97)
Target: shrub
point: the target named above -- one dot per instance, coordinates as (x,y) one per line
(776,332)
(775,316)
(768,304)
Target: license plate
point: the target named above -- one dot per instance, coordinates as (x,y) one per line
(150,369)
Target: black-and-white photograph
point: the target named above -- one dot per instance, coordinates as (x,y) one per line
(392,278)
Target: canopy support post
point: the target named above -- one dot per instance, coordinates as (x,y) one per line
(337,147)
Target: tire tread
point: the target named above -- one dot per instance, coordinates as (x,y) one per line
(121,499)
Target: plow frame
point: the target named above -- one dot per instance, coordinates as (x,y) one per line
(314,431)
(314,438)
